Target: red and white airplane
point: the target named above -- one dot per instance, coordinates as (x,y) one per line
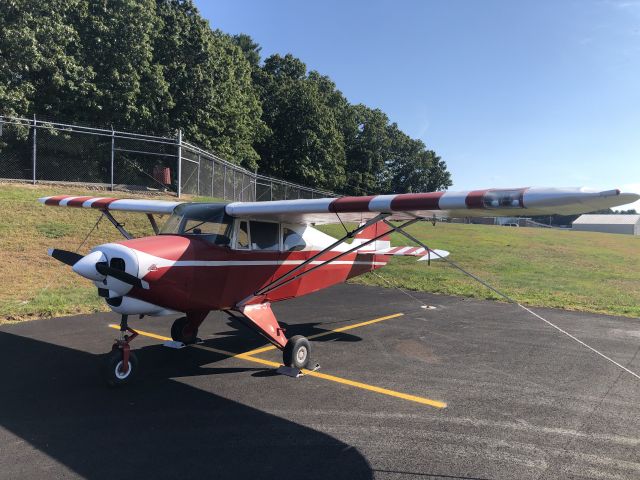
(242,257)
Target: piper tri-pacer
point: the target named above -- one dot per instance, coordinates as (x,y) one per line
(241,257)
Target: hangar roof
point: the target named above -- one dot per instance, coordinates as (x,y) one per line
(608,219)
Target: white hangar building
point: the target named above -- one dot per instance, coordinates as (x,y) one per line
(628,224)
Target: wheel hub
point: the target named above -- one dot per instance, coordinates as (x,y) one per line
(119,373)
(301,356)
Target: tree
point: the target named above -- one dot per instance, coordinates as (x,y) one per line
(250,49)
(41,69)
(413,168)
(213,98)
(367,147)
(155,66)
(304,143)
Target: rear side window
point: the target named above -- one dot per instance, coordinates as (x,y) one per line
(265,236)
(291,240)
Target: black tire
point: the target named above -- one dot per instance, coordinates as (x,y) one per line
(111,368)
(178,331)
(297,352)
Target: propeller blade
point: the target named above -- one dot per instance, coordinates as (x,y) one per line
(125,277)
(68,258)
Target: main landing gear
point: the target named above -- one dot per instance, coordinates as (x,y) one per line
(182,331)
(121,364)
(297,352)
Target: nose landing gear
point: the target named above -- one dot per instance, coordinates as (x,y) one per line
(121,364)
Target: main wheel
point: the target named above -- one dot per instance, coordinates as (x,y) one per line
(181,332)
(297,352)
(112,369)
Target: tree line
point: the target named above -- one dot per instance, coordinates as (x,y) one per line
(154,66)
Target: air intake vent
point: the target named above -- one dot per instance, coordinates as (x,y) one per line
(117,263)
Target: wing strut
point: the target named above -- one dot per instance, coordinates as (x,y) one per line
(350,234)
(283,280)
(117,224)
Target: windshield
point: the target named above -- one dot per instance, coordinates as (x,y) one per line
(205,220)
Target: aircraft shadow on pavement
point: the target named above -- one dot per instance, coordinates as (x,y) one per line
(53,399)
(241,338)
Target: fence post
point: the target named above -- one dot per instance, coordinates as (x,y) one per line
(213,174)
(113,151)
(224,183)
(255,185)
(234,185)
(179,162)
(199,165)
(33,153)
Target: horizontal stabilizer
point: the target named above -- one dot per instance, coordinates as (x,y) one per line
(414,252)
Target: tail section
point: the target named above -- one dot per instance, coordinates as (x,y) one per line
(371,232)
(382,246)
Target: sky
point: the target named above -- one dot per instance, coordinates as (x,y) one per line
(509,94)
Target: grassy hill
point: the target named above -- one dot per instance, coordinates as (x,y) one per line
(575,270)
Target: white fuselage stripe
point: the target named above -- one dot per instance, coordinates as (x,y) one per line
(146,260)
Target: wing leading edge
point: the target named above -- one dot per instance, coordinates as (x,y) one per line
(495,202)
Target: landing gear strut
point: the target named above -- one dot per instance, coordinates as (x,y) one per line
(121,364)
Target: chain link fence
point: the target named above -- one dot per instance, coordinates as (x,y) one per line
(38,150)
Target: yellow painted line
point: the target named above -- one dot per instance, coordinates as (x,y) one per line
(324,376)
(143,333)
(330,332)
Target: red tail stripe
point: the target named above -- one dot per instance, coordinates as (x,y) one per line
(416,201)
(55,200)
(350,204)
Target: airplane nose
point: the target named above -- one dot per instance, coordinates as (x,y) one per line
(86,266)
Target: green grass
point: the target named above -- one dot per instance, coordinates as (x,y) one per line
(592,272)
(583,271)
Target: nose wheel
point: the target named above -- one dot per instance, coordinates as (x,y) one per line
(121,364)
(297,352)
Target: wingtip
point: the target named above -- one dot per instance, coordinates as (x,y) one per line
(50,251)
(43,199)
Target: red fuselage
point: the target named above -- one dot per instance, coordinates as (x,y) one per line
(187,273)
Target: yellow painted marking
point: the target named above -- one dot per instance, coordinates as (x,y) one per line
(247,356)
(330,332)
(143,333)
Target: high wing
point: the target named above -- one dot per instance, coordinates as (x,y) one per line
(528,201)
(116,204)
(494,202)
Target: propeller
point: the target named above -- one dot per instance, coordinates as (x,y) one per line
(68,258)
(84,265)
(121,275)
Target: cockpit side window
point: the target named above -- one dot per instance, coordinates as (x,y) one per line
(204,220)
(265,236)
